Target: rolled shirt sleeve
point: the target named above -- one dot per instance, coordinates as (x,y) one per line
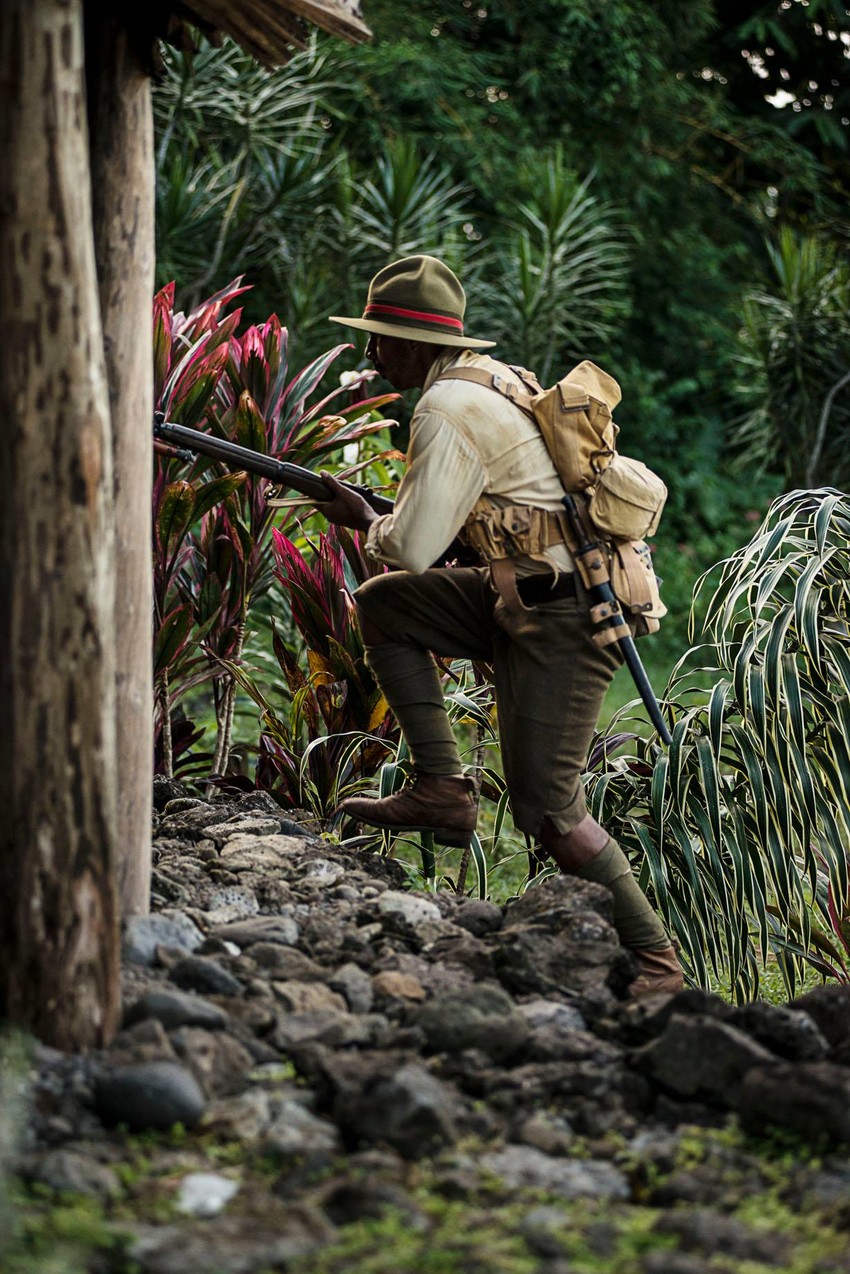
(443,479)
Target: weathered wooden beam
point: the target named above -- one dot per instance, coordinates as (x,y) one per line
(58,904)
(270,29)
(123,180)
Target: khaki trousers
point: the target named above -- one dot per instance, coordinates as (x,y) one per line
(550,677)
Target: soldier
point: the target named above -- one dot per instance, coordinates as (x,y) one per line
(477,461)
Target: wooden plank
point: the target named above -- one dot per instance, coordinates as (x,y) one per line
(270,29)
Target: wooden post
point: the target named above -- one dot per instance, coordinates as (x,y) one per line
(58,906)
(123,182)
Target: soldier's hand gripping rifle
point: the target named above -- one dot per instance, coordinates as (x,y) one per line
(605,610)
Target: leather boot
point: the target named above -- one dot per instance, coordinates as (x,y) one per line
(660,973)
(442,804)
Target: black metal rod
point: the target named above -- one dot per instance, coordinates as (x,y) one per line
(602,592)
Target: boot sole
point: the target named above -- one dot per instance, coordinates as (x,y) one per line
(454,840)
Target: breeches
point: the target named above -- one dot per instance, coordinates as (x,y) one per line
(550,677)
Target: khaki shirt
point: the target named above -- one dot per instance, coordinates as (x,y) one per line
(466,442)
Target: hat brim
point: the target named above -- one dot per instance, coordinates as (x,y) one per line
(425,334)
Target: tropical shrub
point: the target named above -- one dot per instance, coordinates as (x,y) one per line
(338,728)
(213,552)
(741,830)
(557,286)
(794,365)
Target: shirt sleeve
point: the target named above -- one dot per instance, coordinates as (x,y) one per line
(443,479)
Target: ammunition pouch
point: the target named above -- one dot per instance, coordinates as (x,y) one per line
(502,534)
(635,585)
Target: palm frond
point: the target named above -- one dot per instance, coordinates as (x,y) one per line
(742,830)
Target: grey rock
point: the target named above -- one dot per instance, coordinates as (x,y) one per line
(411,908)
(701,1057)
(667,1262)
(548,903)
(188,821)
(149,1095)
(410,1110)
(553,1015)
(828,1188)
(166,790)
(345,893)
(478,917)
(482,1017)
(205,1194)
(811,1099)
(785,1031)
(244,852)
(230,904)
(308,997)
(242,824)
(641,1020)
(295,1131)
(143,934)
(268,929)
(200,973)
(331,1027)
(356,985)
(245,1116)
(69,1171)
(174,1009)
(169,889)
(457,947)
(259,802)
(368,1198)
(584,959)
(703,1231)
(545,1229)
(829,1008)
(144,1041)
(527,1167)
(217,947)
(231,1244)
(286,963)
(322,873)
(185,801)
(219,1063)
(547,1132)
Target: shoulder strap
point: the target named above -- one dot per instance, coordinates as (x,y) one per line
(492,380)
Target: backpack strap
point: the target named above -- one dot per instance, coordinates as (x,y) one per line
(492,380)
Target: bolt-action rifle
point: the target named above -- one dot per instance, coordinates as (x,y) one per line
(605,610)
(186,444)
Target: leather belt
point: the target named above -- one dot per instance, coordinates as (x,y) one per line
(536,590)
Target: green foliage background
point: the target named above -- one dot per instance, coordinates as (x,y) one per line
(660,188)
(467,127)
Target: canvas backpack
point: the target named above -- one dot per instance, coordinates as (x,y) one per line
(625,498)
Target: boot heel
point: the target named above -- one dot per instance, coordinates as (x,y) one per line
(453,840)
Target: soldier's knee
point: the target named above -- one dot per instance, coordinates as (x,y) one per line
(368,601)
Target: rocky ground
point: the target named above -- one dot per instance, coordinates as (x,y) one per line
(322,1071)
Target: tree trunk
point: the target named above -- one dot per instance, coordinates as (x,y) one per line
(122,169)
(58,906)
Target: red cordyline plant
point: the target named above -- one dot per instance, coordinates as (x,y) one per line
(339,728)
(212,545)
